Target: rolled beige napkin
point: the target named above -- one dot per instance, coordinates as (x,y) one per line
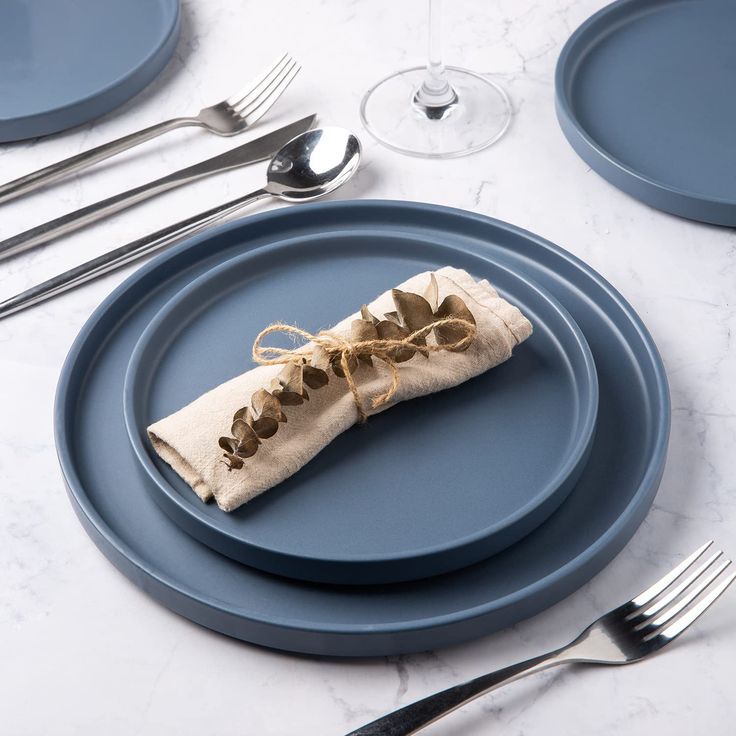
(188,439)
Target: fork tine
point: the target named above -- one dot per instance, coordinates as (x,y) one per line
(275,82)
(651,593)
(258,81)
(253,114)
(680,624)
(676,590)
(264,84)
(681,604)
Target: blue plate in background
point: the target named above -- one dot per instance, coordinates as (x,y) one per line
(646,95)
(64,63)
(596,520)
(433,485)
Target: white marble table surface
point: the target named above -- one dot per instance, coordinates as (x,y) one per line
(82,651)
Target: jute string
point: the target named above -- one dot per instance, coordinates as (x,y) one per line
(382,349)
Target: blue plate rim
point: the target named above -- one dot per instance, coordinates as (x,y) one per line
(106,98)
(646,489)
(602,161)
(575,456)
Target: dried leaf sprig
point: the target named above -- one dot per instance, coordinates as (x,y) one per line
(395,339)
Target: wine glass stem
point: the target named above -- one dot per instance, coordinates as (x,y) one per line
(435,91)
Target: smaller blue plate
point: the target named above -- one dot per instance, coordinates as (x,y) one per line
(646,95)
(431,486)
(64,63)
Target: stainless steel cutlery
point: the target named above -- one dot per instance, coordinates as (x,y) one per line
(629,633)
(255,150)
(309,166)
(233,115)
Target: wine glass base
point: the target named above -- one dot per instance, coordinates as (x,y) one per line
(477,119)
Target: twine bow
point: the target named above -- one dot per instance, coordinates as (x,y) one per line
(348,351)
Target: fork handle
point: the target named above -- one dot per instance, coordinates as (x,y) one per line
(61,169)
(411,718)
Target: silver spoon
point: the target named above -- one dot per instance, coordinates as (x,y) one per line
(309,166)
(254,151)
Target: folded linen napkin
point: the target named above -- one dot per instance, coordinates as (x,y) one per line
(187,440)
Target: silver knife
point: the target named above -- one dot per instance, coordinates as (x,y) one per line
(256,150)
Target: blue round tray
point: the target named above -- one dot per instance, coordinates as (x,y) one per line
(64,63)
(604,509)
(431,486)
(645,95)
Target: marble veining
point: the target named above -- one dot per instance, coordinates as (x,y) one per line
(85,652)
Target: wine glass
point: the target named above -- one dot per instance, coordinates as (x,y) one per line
(436,111)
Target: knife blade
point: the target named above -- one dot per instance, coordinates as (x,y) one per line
(251,152)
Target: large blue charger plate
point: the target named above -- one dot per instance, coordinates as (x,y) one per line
(434,485)
(601,513)
(645,95)
(64,63)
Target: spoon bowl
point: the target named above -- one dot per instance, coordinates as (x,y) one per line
(313,164)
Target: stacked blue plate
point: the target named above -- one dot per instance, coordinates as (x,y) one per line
(404,497)
(446,517)
(64,63)
(644,93)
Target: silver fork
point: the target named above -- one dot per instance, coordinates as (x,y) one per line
(627,634)
(233,115)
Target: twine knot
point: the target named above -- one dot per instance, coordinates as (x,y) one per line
(345,354)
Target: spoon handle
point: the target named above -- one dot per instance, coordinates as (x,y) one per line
(256,149)
(125,254)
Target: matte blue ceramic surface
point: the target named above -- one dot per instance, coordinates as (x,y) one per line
(64,63)
(433,485)
(601,513)
(645,95)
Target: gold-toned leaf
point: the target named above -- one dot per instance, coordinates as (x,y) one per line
(414,310)
(265,404)
(233,462)
(362,331)
(432,292)
(245,414)
(265,427)
(290,378)
(229,444)
(336,364)
(288,398)
(453,306)
(243,431)
(248,448)
(367,316)
(391,331)
(320,358)
(314,377)
(421,343)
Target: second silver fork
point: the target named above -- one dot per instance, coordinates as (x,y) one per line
(627,634)
(229,117)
